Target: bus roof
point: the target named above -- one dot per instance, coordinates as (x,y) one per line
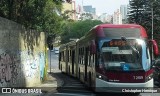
(99,29)
(71,43)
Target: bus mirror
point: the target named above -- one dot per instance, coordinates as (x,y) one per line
(93,47)
(155,47)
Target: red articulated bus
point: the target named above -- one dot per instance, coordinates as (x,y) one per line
(110,57)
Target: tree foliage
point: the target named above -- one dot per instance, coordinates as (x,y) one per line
(77,29)
(137,8)
(140,12)
(41,15)
(85,16)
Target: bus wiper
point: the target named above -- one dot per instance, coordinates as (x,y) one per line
(128,43)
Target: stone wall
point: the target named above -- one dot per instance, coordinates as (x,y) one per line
(22,55)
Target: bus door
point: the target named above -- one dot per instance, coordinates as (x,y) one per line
(86,62)
(73,60)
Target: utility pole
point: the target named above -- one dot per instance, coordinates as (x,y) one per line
(50,60)
(152,12)
(152,21)
(152,30)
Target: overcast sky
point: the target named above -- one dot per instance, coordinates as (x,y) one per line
(103,6)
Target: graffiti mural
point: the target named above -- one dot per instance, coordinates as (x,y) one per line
(42,65)
(19,54)
(8,68)
(31,67)
(29,64)
(12,67)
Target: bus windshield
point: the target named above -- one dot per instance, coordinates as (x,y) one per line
(120,55)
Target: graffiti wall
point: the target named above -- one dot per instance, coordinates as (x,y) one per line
(9,66)
(22,55)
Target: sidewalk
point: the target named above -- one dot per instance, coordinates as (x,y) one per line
(48,87)
(51,84)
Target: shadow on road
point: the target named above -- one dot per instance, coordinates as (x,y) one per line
(116,94)
(63,87)
(57,76)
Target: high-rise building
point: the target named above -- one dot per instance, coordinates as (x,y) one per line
(89,9)
(86,12)
(70,7)
(117,17)
(103,17)
(79,9)
(106,18)
(123,11)
(109,19)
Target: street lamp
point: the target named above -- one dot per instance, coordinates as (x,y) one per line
(152,27)
(152,18)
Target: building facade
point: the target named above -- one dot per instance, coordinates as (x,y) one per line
(71,8)
(89,9)
(105,18)
(117,17)
(124,11)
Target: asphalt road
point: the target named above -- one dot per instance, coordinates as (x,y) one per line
(53,60)
(72,86)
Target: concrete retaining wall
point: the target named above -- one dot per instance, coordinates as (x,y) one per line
(22,55)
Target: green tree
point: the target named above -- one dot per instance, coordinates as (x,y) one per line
(141,13)
(77,29)
(85,16)
(66,15)
(136,11)
(42,15)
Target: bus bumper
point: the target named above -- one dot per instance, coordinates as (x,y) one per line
(104,86)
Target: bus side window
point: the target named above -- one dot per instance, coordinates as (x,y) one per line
(97,55)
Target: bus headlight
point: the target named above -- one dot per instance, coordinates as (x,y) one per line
(139,41)
(149,77)
(100,76)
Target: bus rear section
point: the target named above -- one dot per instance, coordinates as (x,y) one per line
(63,58)
(123,61)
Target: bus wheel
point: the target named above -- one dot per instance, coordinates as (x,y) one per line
(69,70)
(90,80)
(84,78)
(79,73)
(61,67)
